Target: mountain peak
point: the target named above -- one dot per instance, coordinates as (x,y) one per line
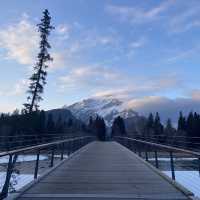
(107,107)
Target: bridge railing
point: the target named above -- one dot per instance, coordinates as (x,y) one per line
(177,163)
(18,141)
(191,143)
(19,167)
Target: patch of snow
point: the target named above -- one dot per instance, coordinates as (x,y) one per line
(22,158)
(58,156)
(189,179)
(21,180)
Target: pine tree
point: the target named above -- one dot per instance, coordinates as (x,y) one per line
(42,122)
(150,121)
(169,124)
(181,122)
(91,125)
(118,127)
(150,125)
(169,131)
(70,122)
(100,128)
(158,127)
(38,78)
(50,124)
(190,124)
(59,125)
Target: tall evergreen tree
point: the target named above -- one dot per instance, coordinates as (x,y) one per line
(149,125)
(42,122)
(38,78)
(169,124)
(190,125)
(118,127)
(59,126)
(181,122)
(50,124)
(100,128)
(70,122)
(158,127)
(169,131)
(91,125)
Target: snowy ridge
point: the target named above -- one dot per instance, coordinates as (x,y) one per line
(107,107)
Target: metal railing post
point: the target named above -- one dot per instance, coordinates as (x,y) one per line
(72,146)
(52,158)
(68,148)
(10,167)
(139,151)
(37,165)
(146,155)
(156,158)
(62,151)
(172,165)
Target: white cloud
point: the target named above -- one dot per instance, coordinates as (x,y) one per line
(59,61)
(99,81)
(183,54)
(89,77)
(195,94)
(185,20)
(137,14)
(63,30)
(167,107)
(19,88)
(134,45)
(138,43)
(20,41)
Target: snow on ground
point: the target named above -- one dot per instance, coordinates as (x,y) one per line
(58,156)
(22,158)
(189,179)
(21,180)
(175,159)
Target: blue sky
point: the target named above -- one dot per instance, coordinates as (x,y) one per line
(132,49)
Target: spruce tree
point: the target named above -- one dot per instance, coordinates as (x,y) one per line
(190,124)
(158,127)
(169,131)
(118,127)
(100,128)
(59,127)
(50,124)
(150,125)
(181,122)
(38,78)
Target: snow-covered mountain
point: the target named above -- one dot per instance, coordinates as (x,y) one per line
(107,107)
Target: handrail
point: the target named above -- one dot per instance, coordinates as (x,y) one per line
(40,146)
(75,144)
(33,135)
(141,146)
(166,147)
(178,136)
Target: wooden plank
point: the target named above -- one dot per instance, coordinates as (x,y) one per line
(104,170)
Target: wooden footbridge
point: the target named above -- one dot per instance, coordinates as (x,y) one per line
(103,171)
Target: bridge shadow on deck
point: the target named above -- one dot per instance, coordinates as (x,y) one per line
(103,170)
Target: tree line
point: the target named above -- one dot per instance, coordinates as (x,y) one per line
(36,124)
(185,133)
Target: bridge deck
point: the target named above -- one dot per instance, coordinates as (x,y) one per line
(103,170)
